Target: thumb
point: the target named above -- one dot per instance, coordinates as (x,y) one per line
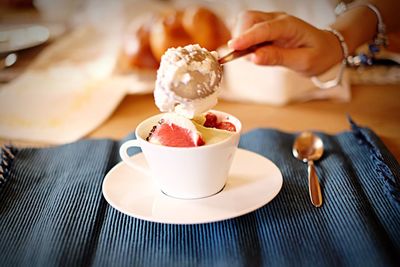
(294,58)
(283,29)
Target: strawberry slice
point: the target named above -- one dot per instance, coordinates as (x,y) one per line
(211,120)
(227,126)
(176,131)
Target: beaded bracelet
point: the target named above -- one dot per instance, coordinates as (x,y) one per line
(379,40)
(362,58)
(345,51)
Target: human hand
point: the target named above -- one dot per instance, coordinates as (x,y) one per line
(296,44)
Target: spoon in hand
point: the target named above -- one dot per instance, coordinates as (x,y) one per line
(240,53)
(308,147)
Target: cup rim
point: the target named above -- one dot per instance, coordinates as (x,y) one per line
(238,126)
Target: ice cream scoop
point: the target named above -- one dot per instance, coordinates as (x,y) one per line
(188,80)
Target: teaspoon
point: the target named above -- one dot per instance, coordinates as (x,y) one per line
(308,147)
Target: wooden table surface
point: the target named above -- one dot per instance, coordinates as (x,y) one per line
(377,107)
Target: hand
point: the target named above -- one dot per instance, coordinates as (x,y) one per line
(296,44)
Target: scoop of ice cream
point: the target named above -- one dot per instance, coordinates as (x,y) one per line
(188,80)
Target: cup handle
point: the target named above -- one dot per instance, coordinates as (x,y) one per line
(123,152)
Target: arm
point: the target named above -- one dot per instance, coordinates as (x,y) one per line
(348,24)
(299,45)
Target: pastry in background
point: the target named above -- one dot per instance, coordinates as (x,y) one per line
(205,27)
(136,51)
(168,31)
(147,41)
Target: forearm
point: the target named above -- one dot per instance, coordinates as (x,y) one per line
(298,45)
(359,25)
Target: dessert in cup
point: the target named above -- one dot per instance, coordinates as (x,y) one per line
(189,147)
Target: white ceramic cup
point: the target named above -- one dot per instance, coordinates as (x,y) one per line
(184,172)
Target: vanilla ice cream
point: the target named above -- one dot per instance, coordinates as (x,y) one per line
(188,81)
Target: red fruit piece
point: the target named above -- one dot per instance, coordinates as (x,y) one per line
(168,134)
(227,126)
(211,120)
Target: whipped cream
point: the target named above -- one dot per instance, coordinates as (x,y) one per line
(188,81)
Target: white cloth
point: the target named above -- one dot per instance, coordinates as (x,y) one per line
(244,81)
(65,94)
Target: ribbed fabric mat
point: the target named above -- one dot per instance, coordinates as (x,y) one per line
(52,212)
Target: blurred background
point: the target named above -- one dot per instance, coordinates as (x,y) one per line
(67,65)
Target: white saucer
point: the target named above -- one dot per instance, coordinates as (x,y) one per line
(253,182)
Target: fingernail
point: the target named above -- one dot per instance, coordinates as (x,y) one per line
(230,43)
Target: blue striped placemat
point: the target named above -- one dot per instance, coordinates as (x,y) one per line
(52,212)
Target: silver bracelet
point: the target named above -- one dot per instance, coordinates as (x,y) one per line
(336,81)
(379,40)
(362,58)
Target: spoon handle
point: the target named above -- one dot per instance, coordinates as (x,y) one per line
(313,185)
(240,53)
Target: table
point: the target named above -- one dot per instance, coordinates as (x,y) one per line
(377,107)
(374,106)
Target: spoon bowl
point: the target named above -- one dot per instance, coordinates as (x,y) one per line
(308,147)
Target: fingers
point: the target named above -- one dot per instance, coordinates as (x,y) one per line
(245,20)
(296,44)
(270,30)
(254,35)
(297,59)
(248,18)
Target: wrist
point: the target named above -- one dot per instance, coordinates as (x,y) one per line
(348,24)
(373,32)
(338,49)
(338,52)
